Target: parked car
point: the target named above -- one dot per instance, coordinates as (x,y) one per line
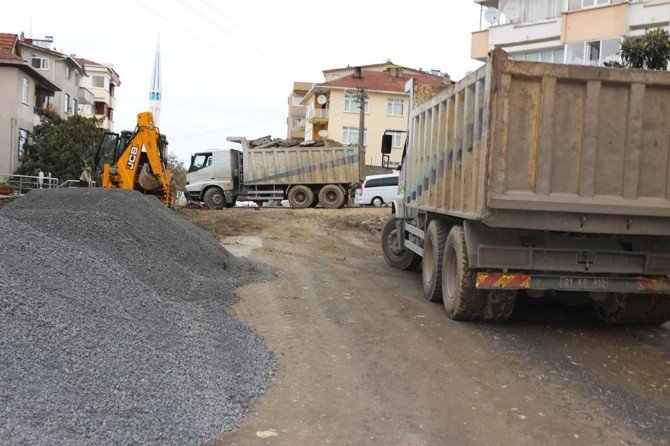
(377,189)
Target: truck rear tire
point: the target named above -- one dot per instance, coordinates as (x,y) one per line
(331,196)
(398,258)
(461,298)
(300,197)
(214,198)
(433,253)
(632,309)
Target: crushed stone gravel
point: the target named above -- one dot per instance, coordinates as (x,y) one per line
(113,324)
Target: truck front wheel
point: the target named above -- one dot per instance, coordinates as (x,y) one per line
(214,198)
(300,197)
(401,258)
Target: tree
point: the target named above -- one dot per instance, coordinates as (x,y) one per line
(60,146)
(651,51)
(178,170)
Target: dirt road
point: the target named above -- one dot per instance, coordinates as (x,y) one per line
(364,359)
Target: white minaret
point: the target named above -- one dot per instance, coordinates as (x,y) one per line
(155,92)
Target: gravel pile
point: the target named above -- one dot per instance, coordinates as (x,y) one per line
(113,327)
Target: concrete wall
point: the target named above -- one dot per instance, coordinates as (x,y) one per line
(595,23)
(68,86)
(14,115)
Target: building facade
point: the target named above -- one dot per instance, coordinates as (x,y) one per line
(581,32)
(102,81)
(332,107)
(61,69)
(295,122)
(21,90)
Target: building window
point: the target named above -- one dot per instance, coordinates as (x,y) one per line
(534,10)
(23,139)
(394,107)
(396,139)
(574,5)
(66,104)
(555,55)
(41,63)
(595,53)
(100,108)
(68,72)
(25,90)
(100,82)
(350,135)
(351,104)
(73,108)
(297,101)
(297,123)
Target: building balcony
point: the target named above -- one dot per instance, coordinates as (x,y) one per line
(85,96)
(317,115)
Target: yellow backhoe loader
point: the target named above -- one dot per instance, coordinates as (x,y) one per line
(137,160)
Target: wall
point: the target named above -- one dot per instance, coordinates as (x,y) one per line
(68,86)
(595,23)
(14,115)
(479,47)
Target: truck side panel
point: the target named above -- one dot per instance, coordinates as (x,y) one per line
(301,165)
(545,146)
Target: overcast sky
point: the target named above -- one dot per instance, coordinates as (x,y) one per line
(228,66)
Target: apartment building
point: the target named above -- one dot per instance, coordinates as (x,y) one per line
(102,81)
(297,112)
(61,69)
(21,88)
(581,32)
(333,108)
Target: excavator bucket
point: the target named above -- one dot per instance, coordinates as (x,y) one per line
(147,181)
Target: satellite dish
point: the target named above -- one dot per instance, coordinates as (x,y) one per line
(321,99)
(512,10)
(492,15)
(323,133)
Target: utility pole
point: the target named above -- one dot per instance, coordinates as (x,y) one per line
(362,98)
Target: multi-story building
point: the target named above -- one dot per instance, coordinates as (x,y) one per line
(102,81)
(333,107)
(296,111)
(21,90)
(582,32)
(61,69)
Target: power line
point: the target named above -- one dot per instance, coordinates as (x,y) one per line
(200,14)
(269,44)
(226,129)
(259,71)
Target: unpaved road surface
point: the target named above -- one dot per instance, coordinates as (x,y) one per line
(364,359)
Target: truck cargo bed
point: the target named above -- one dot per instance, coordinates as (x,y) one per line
(545,146)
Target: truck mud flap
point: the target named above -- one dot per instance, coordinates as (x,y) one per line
(517,281)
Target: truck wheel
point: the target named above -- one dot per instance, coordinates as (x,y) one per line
(331,196)
(461,298)
(398,258)
(300,197)
(214,198)
(632,309)
(431,268)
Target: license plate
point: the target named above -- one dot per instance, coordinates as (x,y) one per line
(584,283)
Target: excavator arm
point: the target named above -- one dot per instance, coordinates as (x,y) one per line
(141,164)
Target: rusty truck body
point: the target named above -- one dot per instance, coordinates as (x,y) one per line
(540,177)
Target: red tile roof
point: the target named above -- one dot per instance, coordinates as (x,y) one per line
(381,81)
(7,46)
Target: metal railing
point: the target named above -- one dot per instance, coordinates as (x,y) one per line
(75,183)
(21,184)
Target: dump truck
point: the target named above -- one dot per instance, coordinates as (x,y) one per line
(549,179)
(306,176)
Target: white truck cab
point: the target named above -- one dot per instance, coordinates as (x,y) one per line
(213,177)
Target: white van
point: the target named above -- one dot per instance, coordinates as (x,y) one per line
(377,189)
